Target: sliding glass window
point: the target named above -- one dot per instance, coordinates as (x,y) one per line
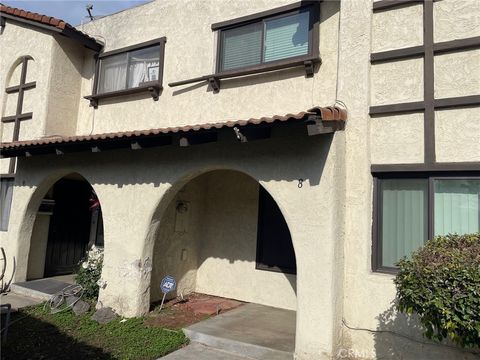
(408,211)
(268,40)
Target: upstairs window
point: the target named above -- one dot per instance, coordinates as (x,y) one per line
(129,70)
(268,39)
(411,210)
(133,69)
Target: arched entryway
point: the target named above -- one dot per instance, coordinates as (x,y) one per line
(222,234)
(68,222)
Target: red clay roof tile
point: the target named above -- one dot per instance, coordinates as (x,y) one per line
(40,18)
(326,114)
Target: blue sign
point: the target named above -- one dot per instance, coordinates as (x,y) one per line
(168,284)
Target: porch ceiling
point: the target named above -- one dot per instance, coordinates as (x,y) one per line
(317,120)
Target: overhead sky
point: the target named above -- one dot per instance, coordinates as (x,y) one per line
(73,11)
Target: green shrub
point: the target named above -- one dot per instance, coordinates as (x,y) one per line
(89,272)
(441,283)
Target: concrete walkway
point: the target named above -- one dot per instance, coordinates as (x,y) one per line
(250,331)
(197,351)
(18,301)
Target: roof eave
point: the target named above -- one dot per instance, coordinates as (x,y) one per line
(69,32)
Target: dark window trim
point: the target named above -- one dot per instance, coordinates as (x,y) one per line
(258,257)
(313,51)
(308,61)
(154,87)
(430,176)
(243,20)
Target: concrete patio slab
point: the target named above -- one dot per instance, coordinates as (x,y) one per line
(42,288)
(18,301)
(252,330)
(197,351)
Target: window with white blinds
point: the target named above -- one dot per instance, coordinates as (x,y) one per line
(267,40)
(412,210)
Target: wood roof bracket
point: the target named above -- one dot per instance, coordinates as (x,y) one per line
(93,102)
(214,83)
(309,68)
(317,126)
(155,92)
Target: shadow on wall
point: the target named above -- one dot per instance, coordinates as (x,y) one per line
(399,336)
(207,240)
(305,159)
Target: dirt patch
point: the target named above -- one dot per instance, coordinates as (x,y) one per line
(177,314)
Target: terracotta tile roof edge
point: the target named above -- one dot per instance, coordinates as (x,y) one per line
(326,113)
(41,19)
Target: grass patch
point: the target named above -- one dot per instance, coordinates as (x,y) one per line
(36,334)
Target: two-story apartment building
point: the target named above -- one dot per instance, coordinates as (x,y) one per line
(281,153)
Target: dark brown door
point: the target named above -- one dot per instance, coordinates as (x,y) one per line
(69,230)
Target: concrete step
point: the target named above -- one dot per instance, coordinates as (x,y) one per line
(254,331)
(195,351)
(251,351)
(41,289)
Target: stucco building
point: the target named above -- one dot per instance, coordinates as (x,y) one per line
(281,153)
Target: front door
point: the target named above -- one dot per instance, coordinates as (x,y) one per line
(70,224)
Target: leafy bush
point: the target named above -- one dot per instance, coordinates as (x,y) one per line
(441,283)
(89,272)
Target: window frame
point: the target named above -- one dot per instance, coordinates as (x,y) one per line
(277,13)
(7,178)
(154,87)
(259,265)
(377,226)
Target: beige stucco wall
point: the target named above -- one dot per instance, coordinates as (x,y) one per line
(17,41)
(134,200)
(228,247)
(341,303)
(457,74)
(56,68)
(455,19)
(217,235)
(457,135)
(189,53)
(38,247)
(372,329)
(65,81)
(176,246)
(397,139)
(397,29)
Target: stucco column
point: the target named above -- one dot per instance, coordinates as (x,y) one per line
(127,269)
(314,213)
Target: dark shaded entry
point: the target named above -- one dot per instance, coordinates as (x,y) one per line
(70,226)
(274,243)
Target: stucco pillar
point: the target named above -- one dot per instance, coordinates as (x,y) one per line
(127,268)
(314,214)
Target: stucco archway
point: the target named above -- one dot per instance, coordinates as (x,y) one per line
(36,235)
(213,223)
